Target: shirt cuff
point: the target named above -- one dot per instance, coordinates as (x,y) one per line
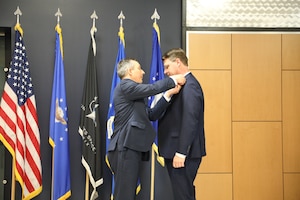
(168,99)
(180,155)
(174,80)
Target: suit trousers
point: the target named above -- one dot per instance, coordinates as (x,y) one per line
(125,165)
(182,179)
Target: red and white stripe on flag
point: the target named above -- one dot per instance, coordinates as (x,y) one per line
(19,129)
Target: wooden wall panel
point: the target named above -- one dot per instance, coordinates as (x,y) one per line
(209,51)
(252,114)
(257,161)
(291,51)
(214,186)
(256,77)
(291,120)
(216,86)
(291,186)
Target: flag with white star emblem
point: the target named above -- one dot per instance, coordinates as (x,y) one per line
(58,133)
(89,127)
(19,128)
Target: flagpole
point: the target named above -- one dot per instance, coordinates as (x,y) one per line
(92,32)
(61,188)
(155,16)
(115,81)
(52,172)
(87,186)
(57,15)
(18,13)
(13,181)
(152,174)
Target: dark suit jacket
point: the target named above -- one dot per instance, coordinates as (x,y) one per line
(181,129)
(132,127)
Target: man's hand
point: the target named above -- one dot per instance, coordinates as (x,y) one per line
(178,161)
(180,79)
(169,93)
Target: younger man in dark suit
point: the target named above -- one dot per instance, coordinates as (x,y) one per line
(181,139)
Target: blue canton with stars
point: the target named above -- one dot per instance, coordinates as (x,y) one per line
(19,76)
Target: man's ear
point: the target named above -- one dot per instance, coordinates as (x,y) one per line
(129,71)
(177,62)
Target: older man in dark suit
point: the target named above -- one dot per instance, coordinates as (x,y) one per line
(181,139)
(133,132)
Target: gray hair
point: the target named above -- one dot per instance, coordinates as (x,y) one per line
(124,66)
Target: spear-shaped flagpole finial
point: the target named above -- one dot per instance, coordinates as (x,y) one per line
(94,17)
(121,17)
(18,13)
(58,15)
(93,30)
(155,16)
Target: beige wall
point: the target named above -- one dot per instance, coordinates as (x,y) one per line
(251,84)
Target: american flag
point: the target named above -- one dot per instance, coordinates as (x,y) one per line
(19,130)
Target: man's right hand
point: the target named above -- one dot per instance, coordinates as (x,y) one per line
(180,79)
(169,93)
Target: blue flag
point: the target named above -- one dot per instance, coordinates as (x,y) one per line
(156,73)
(115,81)
(160,184)
(59,137)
